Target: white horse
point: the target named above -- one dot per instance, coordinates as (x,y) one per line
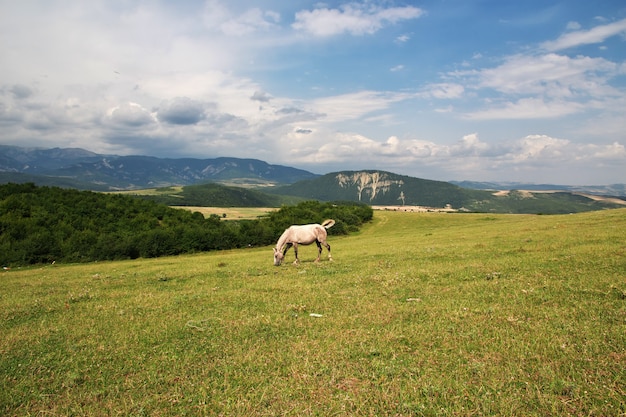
(303,235)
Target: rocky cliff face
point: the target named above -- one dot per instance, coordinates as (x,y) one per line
(369,183)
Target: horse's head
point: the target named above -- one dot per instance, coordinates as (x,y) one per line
(278,257)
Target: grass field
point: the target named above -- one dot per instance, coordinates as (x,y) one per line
(231,213)
(419,314)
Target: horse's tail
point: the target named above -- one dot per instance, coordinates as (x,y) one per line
(328,223)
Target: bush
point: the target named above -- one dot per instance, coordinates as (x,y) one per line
(45,224)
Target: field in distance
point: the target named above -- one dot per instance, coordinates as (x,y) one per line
(430,314)
(231,213)
(251,213)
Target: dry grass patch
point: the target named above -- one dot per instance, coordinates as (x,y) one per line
(231,213)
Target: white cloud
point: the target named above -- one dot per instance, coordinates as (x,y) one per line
(539,86)
(573,26)
(526,108)
(198,78)
(538,147)
(355,105)
(218,17)
(261,96)
(606,124)
(444,90)
(342,147)
(131,115)
(447,109)
(469,157)
(469,145)
(403,38)
(229,93)
(352,18)
(613,152)
(558,75)
(585,37)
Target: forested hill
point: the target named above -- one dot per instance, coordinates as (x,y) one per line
(382,188)
(213,195)
(46,224)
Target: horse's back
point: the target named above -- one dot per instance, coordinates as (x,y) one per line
(306,233)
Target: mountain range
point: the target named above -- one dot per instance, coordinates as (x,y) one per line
(379,188)
(78,168)
(274,185)
(607,190)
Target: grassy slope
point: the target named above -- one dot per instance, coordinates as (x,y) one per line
(231,213)
(213,195)
(422,314)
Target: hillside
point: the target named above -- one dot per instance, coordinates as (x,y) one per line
(606,190)
(418,315)
(41,161)
(84,170)
(51,224)
(387,189)
(50,181)
(213,195)
(380,188)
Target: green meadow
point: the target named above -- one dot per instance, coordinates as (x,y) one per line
(419,314)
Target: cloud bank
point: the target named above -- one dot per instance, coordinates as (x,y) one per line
(219,78)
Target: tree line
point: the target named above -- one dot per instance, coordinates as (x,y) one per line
(51,224)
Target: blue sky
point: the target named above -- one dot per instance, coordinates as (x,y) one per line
(493,90)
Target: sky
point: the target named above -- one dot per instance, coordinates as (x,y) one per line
(481,90)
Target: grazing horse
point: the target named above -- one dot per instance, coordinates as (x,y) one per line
(302,235)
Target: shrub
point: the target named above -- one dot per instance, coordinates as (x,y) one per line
(45,224)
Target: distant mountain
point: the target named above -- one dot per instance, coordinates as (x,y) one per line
(387,189)
(608,190)
(81,169)
(381,188)
(134,172)
(42,161)
(49,181)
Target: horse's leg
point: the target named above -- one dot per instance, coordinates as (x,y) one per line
(330,258)
(319,250)
(295,250)
(287,246)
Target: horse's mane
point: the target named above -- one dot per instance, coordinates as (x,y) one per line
(282,239)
